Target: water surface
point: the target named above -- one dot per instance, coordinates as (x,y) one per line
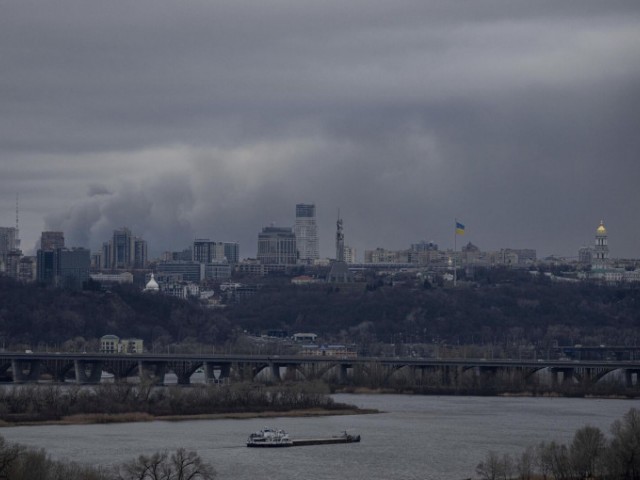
(415,438)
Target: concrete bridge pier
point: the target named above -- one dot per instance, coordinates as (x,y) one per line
(416,375)
(58,369)
(244,372)
(25,371)
(343,372)
(449,375)
(291,372)
(225,372)
(153,371)
(629,374)
(87,372)
(183,371)
(567,376)
(487,375)
(210,374)
(309,371)
(274,371)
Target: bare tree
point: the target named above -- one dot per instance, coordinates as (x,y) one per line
(495,467)
(182,465)
(623,459)
(9,456)
(525,464)
(189,466)
(586,451)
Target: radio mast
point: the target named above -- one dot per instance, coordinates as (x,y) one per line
(17,238)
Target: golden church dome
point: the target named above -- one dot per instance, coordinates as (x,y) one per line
(601,230)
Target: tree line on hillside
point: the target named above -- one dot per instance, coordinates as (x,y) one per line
(519,309)
(32,314)
(501,307)
(590,455)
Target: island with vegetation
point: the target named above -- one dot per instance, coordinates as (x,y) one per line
(126,402)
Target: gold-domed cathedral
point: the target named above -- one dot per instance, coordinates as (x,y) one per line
(601,250)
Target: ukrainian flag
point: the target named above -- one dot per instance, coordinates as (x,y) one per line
(459,228)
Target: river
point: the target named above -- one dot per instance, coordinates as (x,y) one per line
(417,437)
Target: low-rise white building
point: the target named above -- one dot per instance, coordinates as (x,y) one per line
(115,344)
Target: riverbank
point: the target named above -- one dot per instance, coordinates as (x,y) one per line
(101,418)
(358,390)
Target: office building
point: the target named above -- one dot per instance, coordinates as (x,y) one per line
(50,241)
(8,240)
(72,267)
(232,252)
(277,246)
(45,262)
(306,232)
(122,248)
(10,253)
(139,253)
(217,271)
(207,251)
(182,271)
(64,267)
(27,270)
(124,251)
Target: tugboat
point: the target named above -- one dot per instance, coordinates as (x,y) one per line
(269,438)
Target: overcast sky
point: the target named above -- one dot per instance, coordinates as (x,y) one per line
(205,118)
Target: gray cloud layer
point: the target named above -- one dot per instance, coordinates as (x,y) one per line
(211,118)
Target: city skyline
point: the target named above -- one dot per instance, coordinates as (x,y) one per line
(518,118)
(196,245)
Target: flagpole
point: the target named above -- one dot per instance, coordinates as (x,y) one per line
(455,248)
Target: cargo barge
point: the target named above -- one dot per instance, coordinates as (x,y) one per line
(276,438)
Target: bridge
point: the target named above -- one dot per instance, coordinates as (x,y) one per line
(88,368)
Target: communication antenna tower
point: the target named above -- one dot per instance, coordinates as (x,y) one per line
(17,239)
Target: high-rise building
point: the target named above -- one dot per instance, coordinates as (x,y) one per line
(139,253)
(232,252)
(72,267)
(12,263)
(27,270)
(207,251)
(277,246)
(306,232)
(64,267)
(45,259)
(124,251)
(8,239)
(45,264)
(122,248)
(50,241)
(9,251)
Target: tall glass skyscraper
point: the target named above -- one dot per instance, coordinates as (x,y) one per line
(306,232)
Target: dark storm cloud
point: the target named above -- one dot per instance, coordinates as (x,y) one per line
(203,118)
